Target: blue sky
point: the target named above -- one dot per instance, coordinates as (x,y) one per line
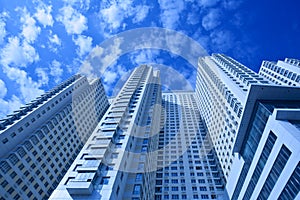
(44,42)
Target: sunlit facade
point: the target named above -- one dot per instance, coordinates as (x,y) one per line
(253,121)
(40,141)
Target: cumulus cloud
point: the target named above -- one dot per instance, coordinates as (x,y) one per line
(3,89)
(211,20)
(54,42)
(8,106)
(55,39)
(144,56)
(221,40)
(173,79)
(43,78)
(84,44)
(110,77)
(2,30)
(74,22)
(56,70)
(29,89)
(113,14)
(170,12)
(43,15)
(113,76)
(29,29)
(208,3)
(141,14)
(79,4)
(16,53)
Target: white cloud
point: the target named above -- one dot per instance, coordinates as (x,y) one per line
(56,71)
(54,42)
(231,4)
(80,4)
(3,89)
(208,3)
(18,54)
(113,78)
(3,15)
(87,69)
(8,106)
(110,77)
(113,14)
(144,56)
(141,14)
(221,40)
(55,39)
(211,20)
(29,29)
(42,75)
(173,79)
(170,12)
(43,15)
(74,22)
(29,89)
(2,31)
(84,44)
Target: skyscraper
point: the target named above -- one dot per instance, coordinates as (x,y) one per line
(40,141)
(221,88)
(115,163)
(254,126)
(187,165)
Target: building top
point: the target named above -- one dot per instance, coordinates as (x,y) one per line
(34,104)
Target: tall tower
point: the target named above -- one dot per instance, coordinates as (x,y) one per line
(118,160)
(187,166)
(254,127)
(40,141)
(221,88)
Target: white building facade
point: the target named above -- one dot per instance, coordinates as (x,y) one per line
(116,162)
(285,72)
(40,141)
(187,166)
(253,122)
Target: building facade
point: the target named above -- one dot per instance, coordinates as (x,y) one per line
(116,162)
(285,72)
(187,165)
(248,115)
(221,88)
(40,141)
(150,146)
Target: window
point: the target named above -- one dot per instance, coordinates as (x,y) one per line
(104,180)
(292,187)
(139,177)
(136,189)
(275,172)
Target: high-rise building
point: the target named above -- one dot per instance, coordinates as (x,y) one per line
(187,166)
(285,72)
(254,127)
(118,160)
(221,89)
(41,140)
